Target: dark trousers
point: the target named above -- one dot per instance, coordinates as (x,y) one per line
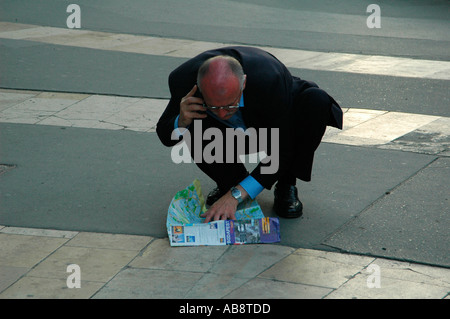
(301,131)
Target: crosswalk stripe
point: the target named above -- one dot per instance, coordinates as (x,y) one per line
(379,129)
(362,127)
(337,62)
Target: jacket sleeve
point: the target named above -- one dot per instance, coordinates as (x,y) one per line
(165,125)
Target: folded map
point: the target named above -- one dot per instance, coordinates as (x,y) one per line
(185,227)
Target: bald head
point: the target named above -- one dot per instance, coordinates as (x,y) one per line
(220,76)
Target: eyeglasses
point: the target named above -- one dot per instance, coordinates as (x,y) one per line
(229,107)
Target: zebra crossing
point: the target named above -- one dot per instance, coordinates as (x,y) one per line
(362,127)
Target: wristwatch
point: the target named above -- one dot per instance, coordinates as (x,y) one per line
(236,193)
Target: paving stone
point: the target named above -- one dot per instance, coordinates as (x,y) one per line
(235,267)
(9,275)
(8,99)
(390,288)
(8,26)
(327,270)
(149,283)
(141,116)
(269,289)
(38,232)
(33,110)
(247,261)
(152,45)
(26,251)
(49,288)
(215,286)
(61,95)
(96,107)
(96,264)
(31,32)
(91,39)
(37,103)
(336,257)
(110,241)
(160,255)
(418,273)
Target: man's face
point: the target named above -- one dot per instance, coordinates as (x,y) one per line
(223,102)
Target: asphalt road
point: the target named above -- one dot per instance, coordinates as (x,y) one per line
(408,28)
(414,29)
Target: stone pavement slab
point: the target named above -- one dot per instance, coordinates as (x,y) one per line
(99,264)
(113,266)
(317,268)
(26,251)
(9,275)
(34,261)
(48,288)
(271,289)
(140,283)
(160,256)
(398,280)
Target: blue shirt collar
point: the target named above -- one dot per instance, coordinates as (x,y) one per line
(241,101)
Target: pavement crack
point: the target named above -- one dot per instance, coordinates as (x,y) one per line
(123,127)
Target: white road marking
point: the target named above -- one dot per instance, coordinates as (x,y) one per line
(337,62)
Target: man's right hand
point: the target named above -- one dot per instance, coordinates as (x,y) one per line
(189,107)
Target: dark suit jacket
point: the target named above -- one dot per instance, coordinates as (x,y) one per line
(268,95)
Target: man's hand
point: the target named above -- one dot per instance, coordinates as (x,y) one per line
(189,107)
(225,207)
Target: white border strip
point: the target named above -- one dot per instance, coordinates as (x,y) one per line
(337,62)
(361,126)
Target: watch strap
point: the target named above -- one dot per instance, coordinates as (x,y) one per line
(236,193)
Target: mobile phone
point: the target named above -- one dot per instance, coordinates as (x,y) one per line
(199,95)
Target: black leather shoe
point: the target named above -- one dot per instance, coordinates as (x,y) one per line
(213,196)
(286,203)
